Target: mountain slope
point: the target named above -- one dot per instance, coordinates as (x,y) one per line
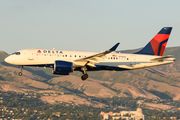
(149,82)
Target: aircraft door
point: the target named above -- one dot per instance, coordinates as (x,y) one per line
(133,59)
(31,54)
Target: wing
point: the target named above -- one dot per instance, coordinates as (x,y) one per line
(90,60)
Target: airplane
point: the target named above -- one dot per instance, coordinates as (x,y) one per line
(64,62)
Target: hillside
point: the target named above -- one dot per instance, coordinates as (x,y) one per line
(9,81)
(2,56)
(156,82)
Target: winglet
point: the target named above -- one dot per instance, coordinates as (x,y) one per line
(114,47)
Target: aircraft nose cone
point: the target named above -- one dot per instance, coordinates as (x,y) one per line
(8,60)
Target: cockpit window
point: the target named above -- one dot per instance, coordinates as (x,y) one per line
(16,53)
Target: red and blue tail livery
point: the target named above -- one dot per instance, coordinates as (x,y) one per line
(158,44)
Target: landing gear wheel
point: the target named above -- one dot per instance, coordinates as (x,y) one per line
(20,73)
(84,77)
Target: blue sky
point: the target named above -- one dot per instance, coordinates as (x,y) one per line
(85,25)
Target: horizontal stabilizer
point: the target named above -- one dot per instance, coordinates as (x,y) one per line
(161,58)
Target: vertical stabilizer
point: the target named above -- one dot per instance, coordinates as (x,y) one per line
(158,44)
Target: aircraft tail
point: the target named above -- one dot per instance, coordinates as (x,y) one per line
(158,44)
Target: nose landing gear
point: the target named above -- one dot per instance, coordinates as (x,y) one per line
(20,73)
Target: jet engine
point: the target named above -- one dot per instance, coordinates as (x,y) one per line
(62,67)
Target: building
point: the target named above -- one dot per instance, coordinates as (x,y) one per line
(139,115)
(124,115)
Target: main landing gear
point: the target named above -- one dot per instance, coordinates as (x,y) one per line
(85,75)
(20,73)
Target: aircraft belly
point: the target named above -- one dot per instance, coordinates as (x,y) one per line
(119,66)
(144,65)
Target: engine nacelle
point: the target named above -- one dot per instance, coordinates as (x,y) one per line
(62,67)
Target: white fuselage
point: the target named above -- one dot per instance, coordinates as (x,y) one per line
(42,57)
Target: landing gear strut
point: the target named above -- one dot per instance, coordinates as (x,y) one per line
(85,75)
(20,73)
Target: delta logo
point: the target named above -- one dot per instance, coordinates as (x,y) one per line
(38,51)
(50,51)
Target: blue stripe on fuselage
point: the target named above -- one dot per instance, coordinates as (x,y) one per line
(100,67)
(97,68)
